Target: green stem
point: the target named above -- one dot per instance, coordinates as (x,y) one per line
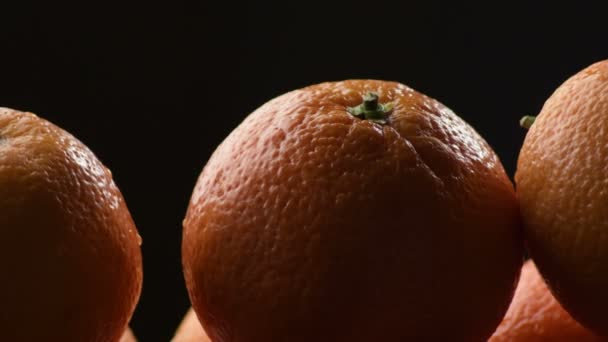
(527,121)
(371,109)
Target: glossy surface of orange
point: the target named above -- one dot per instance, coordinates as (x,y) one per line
(190,329)
(309,224)
(128,336)
(535,315)
(69,252)
(562,184)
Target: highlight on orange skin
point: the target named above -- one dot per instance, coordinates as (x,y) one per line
(535,315)
(128,336)
(190,330)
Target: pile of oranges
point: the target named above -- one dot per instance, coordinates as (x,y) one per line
(347,211)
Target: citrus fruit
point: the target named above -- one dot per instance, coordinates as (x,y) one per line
(562,185)
(352,211)
(535,315)
(69,252)
(190,330)
(128,336)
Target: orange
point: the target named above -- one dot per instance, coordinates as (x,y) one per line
(69,251)
(190,330)
(535,315)
(128,336)
(322,218)
(562,185)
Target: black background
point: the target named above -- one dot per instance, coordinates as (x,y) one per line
(153,89)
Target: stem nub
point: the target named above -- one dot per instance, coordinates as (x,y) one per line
(371,109)
(527,121)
